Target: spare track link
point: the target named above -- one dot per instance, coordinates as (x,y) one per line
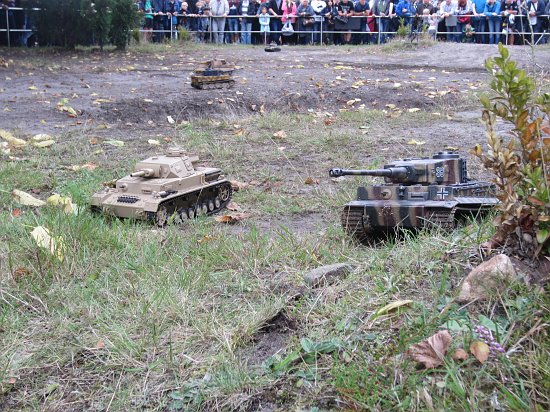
(177,207)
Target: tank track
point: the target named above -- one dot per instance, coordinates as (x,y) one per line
(223,84)
(205,202)
(352,222)
(443,218)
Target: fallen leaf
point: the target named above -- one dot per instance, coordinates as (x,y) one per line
(153,142)
(384,310)
(460,355)
(414,142)
(262,109)
(63,201)
(281,134)
(170,119)
(43,239)
(93,140)
(232,217)
(328,122)
(116,143)
(33,88)
(86,166)
(100,344)
(413,110)
(147,100)
(16,212)
(11,139)
(391,106)
(396,85)
(480,350)
(311,181)
(26,199)
(236,185)
(233,207)
(43,144)
(431,351)
(41,137)
(205,238)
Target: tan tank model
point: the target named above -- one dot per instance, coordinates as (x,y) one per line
(215,74)
(166,186)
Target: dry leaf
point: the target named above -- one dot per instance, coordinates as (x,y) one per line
(93,140)
(26,199)
(205,238)
(480,350)
(233,207)
(460,355)
(232,217)
(63,201)
(16,212)
(414,110)
(153,142)
(33,88)
(311,181)
(41,137)
(396,85)
(391,106)
(86,166)
(116,143)
(431,351)
(43,144)
(170,119)
(328,122)
(236,185)
(11,139)
(100,344)
(414,142)
(43,239)
(281,134)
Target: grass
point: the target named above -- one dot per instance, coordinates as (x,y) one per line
(213,317)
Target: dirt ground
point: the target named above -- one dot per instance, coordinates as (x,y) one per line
(137,91)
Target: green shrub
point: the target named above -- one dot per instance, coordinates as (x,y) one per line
(64,23)
(123,20)
(521,165)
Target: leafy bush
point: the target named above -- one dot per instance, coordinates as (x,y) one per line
(124,18)
(521,165)
(64,23)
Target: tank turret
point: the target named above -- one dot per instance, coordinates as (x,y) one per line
(415,193)
(163,186)
(442,168)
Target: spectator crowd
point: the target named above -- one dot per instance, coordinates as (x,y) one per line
(348,22)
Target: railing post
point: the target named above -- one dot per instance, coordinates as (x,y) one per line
(379,28)
(210,27)
(322,23)
(8,27)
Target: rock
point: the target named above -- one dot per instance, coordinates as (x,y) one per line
(487,279)
(327,274)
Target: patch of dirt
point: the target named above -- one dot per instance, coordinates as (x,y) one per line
(272,338)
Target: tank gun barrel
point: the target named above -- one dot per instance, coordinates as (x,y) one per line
(143,173)
(393,172)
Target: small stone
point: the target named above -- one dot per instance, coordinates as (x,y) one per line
(487,279)
(327,274)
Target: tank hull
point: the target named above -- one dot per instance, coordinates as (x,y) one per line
(380,210)
(212,82)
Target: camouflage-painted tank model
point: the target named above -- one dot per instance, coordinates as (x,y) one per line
(416,193)
(164,186)
(215,74)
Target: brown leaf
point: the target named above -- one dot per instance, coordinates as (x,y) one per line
(281,134)
(100,344)
(460,355)
(311,181)
(16,212)
(328,122)
(93,140)
(232,217)
(233,207)
(431,351)
(236,185)
(480,350)
(20,273)
(205,238)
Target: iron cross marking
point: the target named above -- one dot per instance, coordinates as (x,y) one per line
(442,193)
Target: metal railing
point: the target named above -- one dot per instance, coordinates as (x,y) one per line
(321,22)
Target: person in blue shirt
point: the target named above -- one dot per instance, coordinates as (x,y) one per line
(404,10)
(492,11)
(478,21)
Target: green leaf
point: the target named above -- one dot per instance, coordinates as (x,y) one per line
(389,307)
(542,235)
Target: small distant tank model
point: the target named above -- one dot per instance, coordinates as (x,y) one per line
(215,74)
(166,186)
(417,193)
(272,47)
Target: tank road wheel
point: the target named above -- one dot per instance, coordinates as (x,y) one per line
(182,214)
(211,206)
(217,202)
(191,214)
(161,217)
(224,193)
(202,209)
